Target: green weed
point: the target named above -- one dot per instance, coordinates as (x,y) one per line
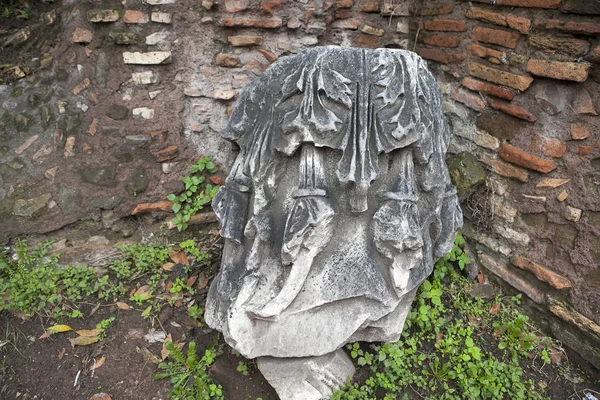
(196,195)
(189,375)
(441,353)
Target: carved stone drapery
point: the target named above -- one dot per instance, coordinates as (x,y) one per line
(337,206)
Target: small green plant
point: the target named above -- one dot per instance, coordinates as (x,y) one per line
(180,286)
(189,375)
(195,313)
(190,247)
(32,281)
(196,194)
(440,356)
(103,326)
(242,368)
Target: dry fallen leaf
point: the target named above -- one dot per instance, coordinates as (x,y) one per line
(84,340)
(143,293)
(179,257)
(123,306)
(473,320)
(555,356)
(190,282)
(88,332)
(147,355)
(59,328)
(62,353)
(98,364)
(164,352)
(202,281)
(495,308)
(168,266)
(480,277)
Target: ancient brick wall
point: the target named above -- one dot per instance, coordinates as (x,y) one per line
(134,91)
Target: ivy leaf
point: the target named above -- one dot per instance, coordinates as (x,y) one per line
(176,207)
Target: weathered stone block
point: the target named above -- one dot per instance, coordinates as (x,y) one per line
(500,77)
(82,35)
(312,148)
(103,15)
(150,58)
(466,173)
(123,37)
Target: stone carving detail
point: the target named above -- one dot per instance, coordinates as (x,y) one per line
(337,206)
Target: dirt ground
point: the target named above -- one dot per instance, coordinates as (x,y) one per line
(32,368)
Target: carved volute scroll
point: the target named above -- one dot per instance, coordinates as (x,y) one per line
(337,205)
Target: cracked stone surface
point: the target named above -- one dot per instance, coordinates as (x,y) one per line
(336,207)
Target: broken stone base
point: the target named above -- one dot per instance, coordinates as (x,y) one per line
(307,378)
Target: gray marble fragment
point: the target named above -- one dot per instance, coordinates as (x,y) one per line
(336,208)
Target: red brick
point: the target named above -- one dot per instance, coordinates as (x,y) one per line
(445,25)
(227,60)
(552,278)
(553,44)
(435,9)
(440,55)
(584,28)
(569,71)
(441,40)
(93,128)
(583,104)
(486,16)
(548,146)
(487,88)
(135,17)
(491,55)
(594,55)
(344,3)
(585,150)
(343,13)
(505,273)
(81,86)
(245,40)
(524,159)
(82,35)
(269,6)
(506,170)
(468,98)
(147,207)
(367,41)
(521,24)
(495,36)
(581,7)
(251,22)
(370,6)
(500,77)
(579,130)
(511,109)
(268,55)
(166,154)
(529,3)
(232,6)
